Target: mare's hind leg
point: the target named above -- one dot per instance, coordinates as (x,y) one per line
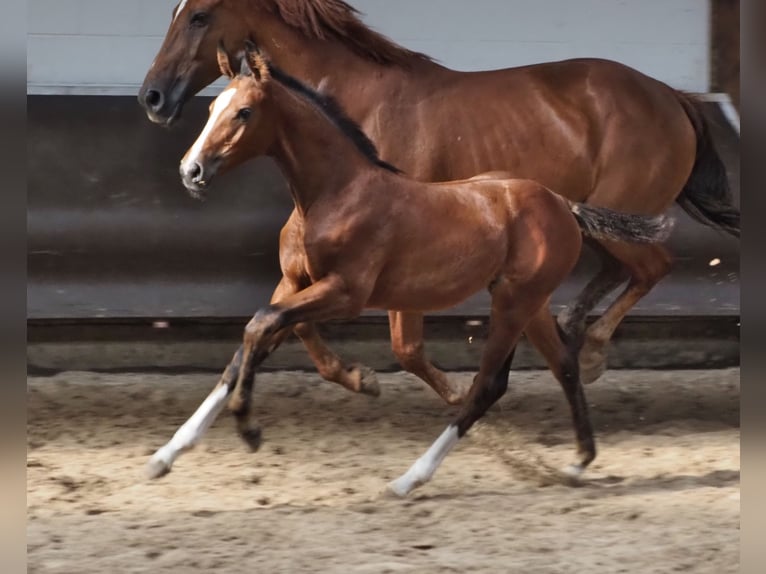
(647,264)
(507,321)
(561,357)
(572,319)
(407,345)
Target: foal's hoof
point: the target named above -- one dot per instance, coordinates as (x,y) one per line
(573,470)
(592,363)
(367,380)
(397,489)
(252,437)
(156,468)
(572,474)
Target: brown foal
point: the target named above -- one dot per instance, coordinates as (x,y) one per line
(593,130)
(373,238)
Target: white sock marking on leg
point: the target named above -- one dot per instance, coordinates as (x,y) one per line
(425,467)
(192,430)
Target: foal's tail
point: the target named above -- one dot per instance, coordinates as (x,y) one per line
(603,223)
(706,197)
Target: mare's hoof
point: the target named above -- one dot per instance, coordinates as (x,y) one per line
(252,438)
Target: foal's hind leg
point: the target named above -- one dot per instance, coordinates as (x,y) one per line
(407,345)
(510,313)
(561,357)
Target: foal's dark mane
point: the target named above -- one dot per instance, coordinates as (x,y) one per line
(335,114)
(335,19)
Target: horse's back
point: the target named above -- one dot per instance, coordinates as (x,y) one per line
(581,126)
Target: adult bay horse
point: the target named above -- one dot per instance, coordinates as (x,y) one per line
(593,130)
(376,239)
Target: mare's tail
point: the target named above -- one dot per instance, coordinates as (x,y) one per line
(706,197)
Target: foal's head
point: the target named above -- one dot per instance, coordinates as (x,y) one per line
(240,126)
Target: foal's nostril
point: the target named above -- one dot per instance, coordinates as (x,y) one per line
(195,173)
(154,99)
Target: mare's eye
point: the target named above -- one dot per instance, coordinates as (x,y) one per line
(199,19)
(244,114)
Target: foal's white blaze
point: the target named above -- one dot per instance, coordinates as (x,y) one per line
(181,6)
(425,467)
(220,104)
(190,432)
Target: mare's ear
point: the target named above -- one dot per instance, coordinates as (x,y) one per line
(224,64)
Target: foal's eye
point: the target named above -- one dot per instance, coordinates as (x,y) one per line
(199,19)
(244,114)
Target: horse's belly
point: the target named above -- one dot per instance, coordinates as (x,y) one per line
(416,285)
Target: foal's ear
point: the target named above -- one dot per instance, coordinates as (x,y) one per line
(224,64)
(256,62)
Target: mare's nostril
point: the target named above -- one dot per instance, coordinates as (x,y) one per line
(154,99)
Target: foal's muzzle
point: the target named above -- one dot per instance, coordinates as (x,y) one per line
(196,176)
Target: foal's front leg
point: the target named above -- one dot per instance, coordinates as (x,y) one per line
(407,345)
(329,298)
(356,377)
(192,430)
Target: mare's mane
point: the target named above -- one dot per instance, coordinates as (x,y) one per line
(335,19)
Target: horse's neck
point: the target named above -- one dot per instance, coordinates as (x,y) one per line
(315,156)
(314,61)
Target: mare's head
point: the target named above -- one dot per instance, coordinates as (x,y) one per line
(240,126)
(186,61)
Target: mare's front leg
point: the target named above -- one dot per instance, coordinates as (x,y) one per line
(407,345)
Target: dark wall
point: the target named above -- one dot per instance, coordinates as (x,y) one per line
(112,233)
(725,48)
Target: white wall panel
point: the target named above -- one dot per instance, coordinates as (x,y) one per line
(106,46)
